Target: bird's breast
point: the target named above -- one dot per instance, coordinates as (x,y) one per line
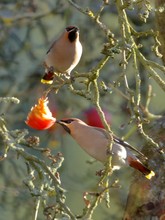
(94,143)
(64,56)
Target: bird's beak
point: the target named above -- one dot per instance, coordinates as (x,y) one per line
(64,125)
(58,121)
(61,122)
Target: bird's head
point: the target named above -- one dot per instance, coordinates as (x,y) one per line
(73,33)
(70,124)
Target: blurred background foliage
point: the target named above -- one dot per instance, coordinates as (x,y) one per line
(27,29)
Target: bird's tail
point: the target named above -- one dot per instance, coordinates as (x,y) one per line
(136,164)
(48,78)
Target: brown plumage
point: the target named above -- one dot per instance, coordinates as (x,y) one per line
(95,142)
(63,55)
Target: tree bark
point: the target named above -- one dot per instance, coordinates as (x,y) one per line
(146,199)
(160,19)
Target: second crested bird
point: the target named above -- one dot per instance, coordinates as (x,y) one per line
(95,141)
(63,55)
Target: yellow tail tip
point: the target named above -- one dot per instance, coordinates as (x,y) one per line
(46,81)
(150,175)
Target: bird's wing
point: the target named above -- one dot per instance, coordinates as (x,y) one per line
(103,131)
(119,141)
(52,45)
(125,144)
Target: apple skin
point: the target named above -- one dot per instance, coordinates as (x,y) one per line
(92,117)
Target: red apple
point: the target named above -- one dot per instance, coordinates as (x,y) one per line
(40,117)
(92,117)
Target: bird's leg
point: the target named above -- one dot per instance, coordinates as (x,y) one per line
(63,77)
(72,79)
(58,78)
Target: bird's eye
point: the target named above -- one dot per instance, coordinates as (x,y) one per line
(68,121)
